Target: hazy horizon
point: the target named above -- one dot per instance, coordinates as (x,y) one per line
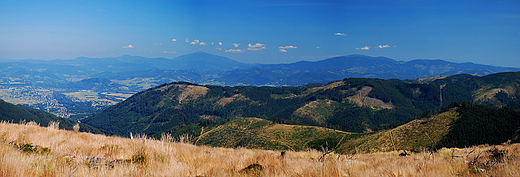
(267,32)
(6,59)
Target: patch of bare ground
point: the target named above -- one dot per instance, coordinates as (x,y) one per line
(191,92)
(488,94)
(431,79)
(31,150)
(361,98)
(226,100)
(328,86)
(317,111)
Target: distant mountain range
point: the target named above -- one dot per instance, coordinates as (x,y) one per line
(204,68)
(358,66)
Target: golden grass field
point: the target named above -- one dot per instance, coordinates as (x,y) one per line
(30,150)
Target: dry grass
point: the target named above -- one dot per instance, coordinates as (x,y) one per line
(68,151)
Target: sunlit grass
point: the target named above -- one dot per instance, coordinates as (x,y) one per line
(53,152)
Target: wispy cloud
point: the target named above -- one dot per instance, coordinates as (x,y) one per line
(158,44)
(383,46)
(235,44)
(202,43)
(257,46)
(340,34)
(364,48)
(174,40)
(287,47)
(196,41)
(128,46)
(168,52)
(187,40)
(283,50)
(234,50)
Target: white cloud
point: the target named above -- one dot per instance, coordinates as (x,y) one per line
(187,40)
(383,46)
(287,47)
(196,41)
(174,40)
(128,46)
(283,50)
(202,43)
(168,52)
(364,48)
(234,50)
(340,34)
(219,43)
(318,47)
(219,48)
(257,46)
(235,44)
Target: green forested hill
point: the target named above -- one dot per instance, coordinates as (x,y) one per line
(352,105)
(355,105)
(18,113)
(460,124)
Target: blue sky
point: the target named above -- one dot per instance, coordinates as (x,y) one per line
(485,32)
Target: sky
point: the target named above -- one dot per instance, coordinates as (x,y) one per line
(280,31)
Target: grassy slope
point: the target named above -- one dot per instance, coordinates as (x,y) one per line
(410,136)
(262,134)
(67,152)
(417,135)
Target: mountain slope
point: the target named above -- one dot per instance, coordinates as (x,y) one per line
(17,113)
(353,104)
(460,125)
(160,108)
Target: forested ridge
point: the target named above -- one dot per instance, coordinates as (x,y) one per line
(352,104)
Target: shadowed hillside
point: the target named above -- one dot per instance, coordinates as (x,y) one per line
(18,113)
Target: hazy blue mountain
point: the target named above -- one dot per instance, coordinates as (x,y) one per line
(337,68)
(201,62)
(204,68)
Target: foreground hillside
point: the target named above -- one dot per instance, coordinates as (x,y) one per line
(31,150)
